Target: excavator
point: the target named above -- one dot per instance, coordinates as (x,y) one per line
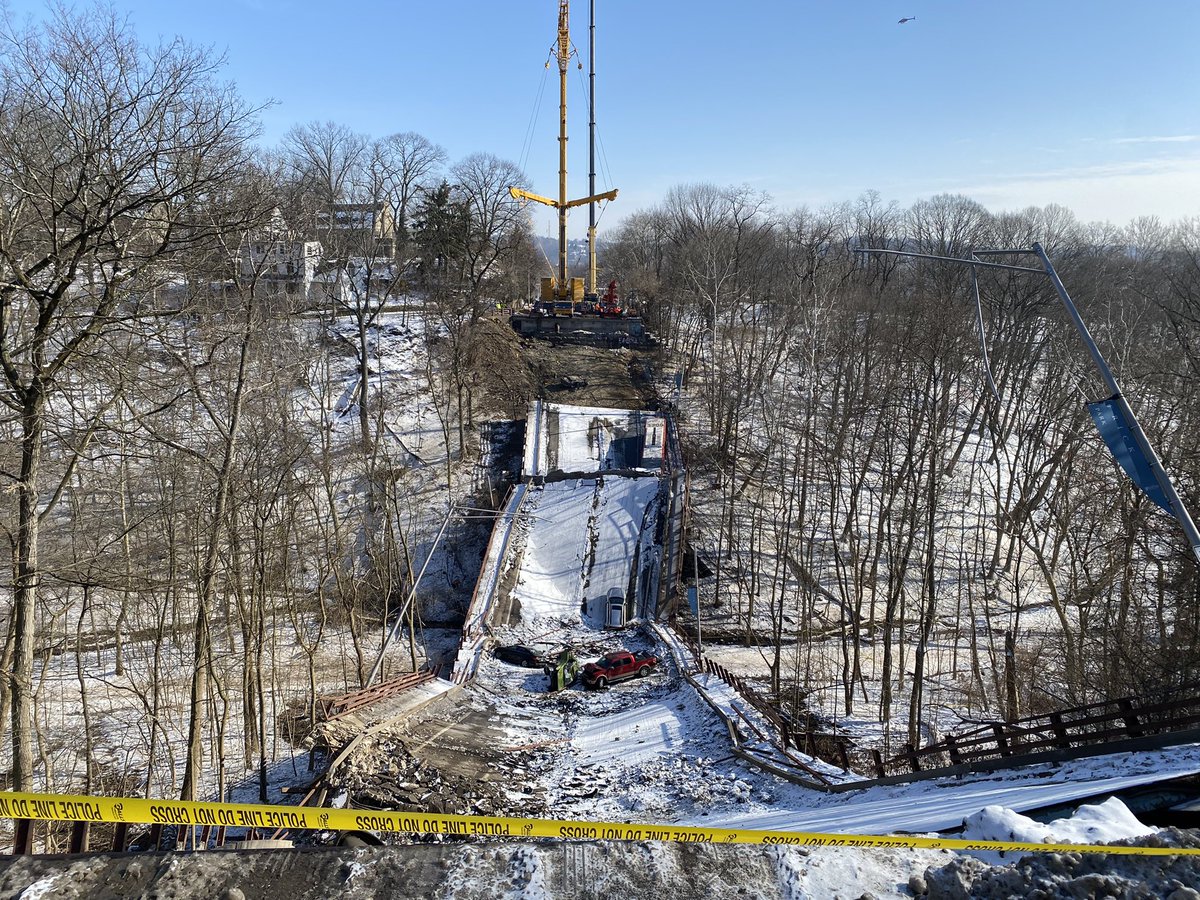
(559,293)
(610,306)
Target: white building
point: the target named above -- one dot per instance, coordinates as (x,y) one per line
(290,263)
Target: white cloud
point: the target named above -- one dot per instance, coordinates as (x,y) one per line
(1160,139)
(1116,192)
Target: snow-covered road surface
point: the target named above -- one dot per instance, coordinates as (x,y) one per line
(632,736)
(944,804)
(580,538)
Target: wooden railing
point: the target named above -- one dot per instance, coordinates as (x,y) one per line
(1077,731)
(804,736)
(1093,725)
(341,704)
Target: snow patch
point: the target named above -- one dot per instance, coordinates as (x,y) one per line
(1101,823)
(40,888)
(527,876)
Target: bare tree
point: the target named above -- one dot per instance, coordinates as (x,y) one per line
(410,163)
(638,255)
(496,222)
(105,147)
(326,158)
(1181,303)
(480,230)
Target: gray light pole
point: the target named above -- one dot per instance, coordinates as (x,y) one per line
(1177,509)
(1135,428)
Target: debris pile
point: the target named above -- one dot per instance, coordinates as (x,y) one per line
(383,774)
(1074,874)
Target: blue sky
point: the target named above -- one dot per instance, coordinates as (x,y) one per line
(1093,104)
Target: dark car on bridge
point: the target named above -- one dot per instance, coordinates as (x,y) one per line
(518,655)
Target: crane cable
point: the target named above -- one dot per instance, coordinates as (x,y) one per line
(541,248)
(527,146)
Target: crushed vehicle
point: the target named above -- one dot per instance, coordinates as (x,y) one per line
(618,666)
(563,669)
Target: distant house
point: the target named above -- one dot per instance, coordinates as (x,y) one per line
(271,259)
(368,228)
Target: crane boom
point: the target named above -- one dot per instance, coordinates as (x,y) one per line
(522,194)
(563,291)
(564,55)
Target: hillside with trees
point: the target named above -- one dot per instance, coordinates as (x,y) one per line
(904,545)
(241,388)
(246,386)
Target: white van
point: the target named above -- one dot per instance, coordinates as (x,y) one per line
(614,608)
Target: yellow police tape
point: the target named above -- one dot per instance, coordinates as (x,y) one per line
(66,808)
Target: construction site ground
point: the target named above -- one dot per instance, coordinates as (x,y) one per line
(590,376)
(654,750)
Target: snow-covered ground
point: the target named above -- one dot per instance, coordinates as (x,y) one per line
(656,751)
(653,750)
(810,558)
(545,871)
(127,731)
(578,539)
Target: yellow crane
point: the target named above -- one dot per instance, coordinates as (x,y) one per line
(564,292)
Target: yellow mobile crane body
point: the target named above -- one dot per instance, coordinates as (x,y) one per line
(563,292)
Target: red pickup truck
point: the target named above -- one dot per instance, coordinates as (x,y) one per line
(617,667)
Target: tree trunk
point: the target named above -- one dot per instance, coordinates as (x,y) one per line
(201,674)
(1012,708)
(364,384)
(25,590)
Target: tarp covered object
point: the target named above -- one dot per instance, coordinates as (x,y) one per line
(1114,429)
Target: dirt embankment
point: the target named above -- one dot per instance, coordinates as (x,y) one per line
(462,871)
(565,373)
